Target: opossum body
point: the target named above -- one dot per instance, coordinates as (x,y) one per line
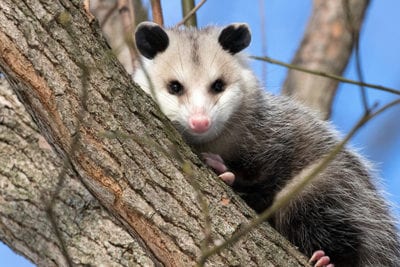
(262,144)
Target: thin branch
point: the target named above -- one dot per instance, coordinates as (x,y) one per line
(261,4)
(86,7)
(190,14)
(50,208)
(326,75)
(355,35)
(188,170)
(187,7)
(156,10)
(108,15)
(284,200)
(127,13)
(65,20)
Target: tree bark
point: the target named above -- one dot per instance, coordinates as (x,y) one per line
(120,147)
(326,46)
(28,172)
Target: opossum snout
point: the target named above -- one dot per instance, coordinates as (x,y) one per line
(199,123)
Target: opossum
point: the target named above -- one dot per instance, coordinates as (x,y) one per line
(261,144)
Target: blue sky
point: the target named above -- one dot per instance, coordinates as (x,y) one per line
(285,21)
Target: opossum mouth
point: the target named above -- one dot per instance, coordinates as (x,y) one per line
(198,138)
(193,137)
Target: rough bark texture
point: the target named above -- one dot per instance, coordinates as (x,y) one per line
(62,70)
(28,172)
(327,45)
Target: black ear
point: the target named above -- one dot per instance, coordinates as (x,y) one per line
(150,39)
(235,37)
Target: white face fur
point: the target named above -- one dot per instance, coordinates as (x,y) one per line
(196,76)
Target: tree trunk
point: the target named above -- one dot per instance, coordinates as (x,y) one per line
(119,146)
(28,172)
(327,45)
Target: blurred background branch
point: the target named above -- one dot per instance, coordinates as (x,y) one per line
(191,13)
(157,12)
(187,7)
(326,46)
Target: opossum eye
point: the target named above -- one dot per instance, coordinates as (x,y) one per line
(218,86)
(175,88)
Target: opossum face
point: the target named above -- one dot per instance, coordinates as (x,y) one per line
(196,76)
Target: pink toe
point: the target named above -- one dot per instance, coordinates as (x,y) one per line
(317,255)
(323,261)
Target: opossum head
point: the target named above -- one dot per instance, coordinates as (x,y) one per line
(198,77)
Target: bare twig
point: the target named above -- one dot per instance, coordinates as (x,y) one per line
(187,7)
(50,210)
(157,12)
(86,7)
(126,11)
(190,14)
(188,170)
(327,75)
(65,20)
(108,15)
(284,200)
(261,4)
(355,34)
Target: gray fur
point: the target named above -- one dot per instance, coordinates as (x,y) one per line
(268,141)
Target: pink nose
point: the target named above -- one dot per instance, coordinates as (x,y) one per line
(199,123)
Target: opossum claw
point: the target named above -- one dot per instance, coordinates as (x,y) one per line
(227,177)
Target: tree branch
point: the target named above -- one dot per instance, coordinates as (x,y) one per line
(191,13)
(127,16)
(187,8)
(28,168)
(148,192)
(327,75)
(157,12)
(355,34)
(326,46)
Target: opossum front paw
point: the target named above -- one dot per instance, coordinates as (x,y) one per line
(320,259)
(218,165)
